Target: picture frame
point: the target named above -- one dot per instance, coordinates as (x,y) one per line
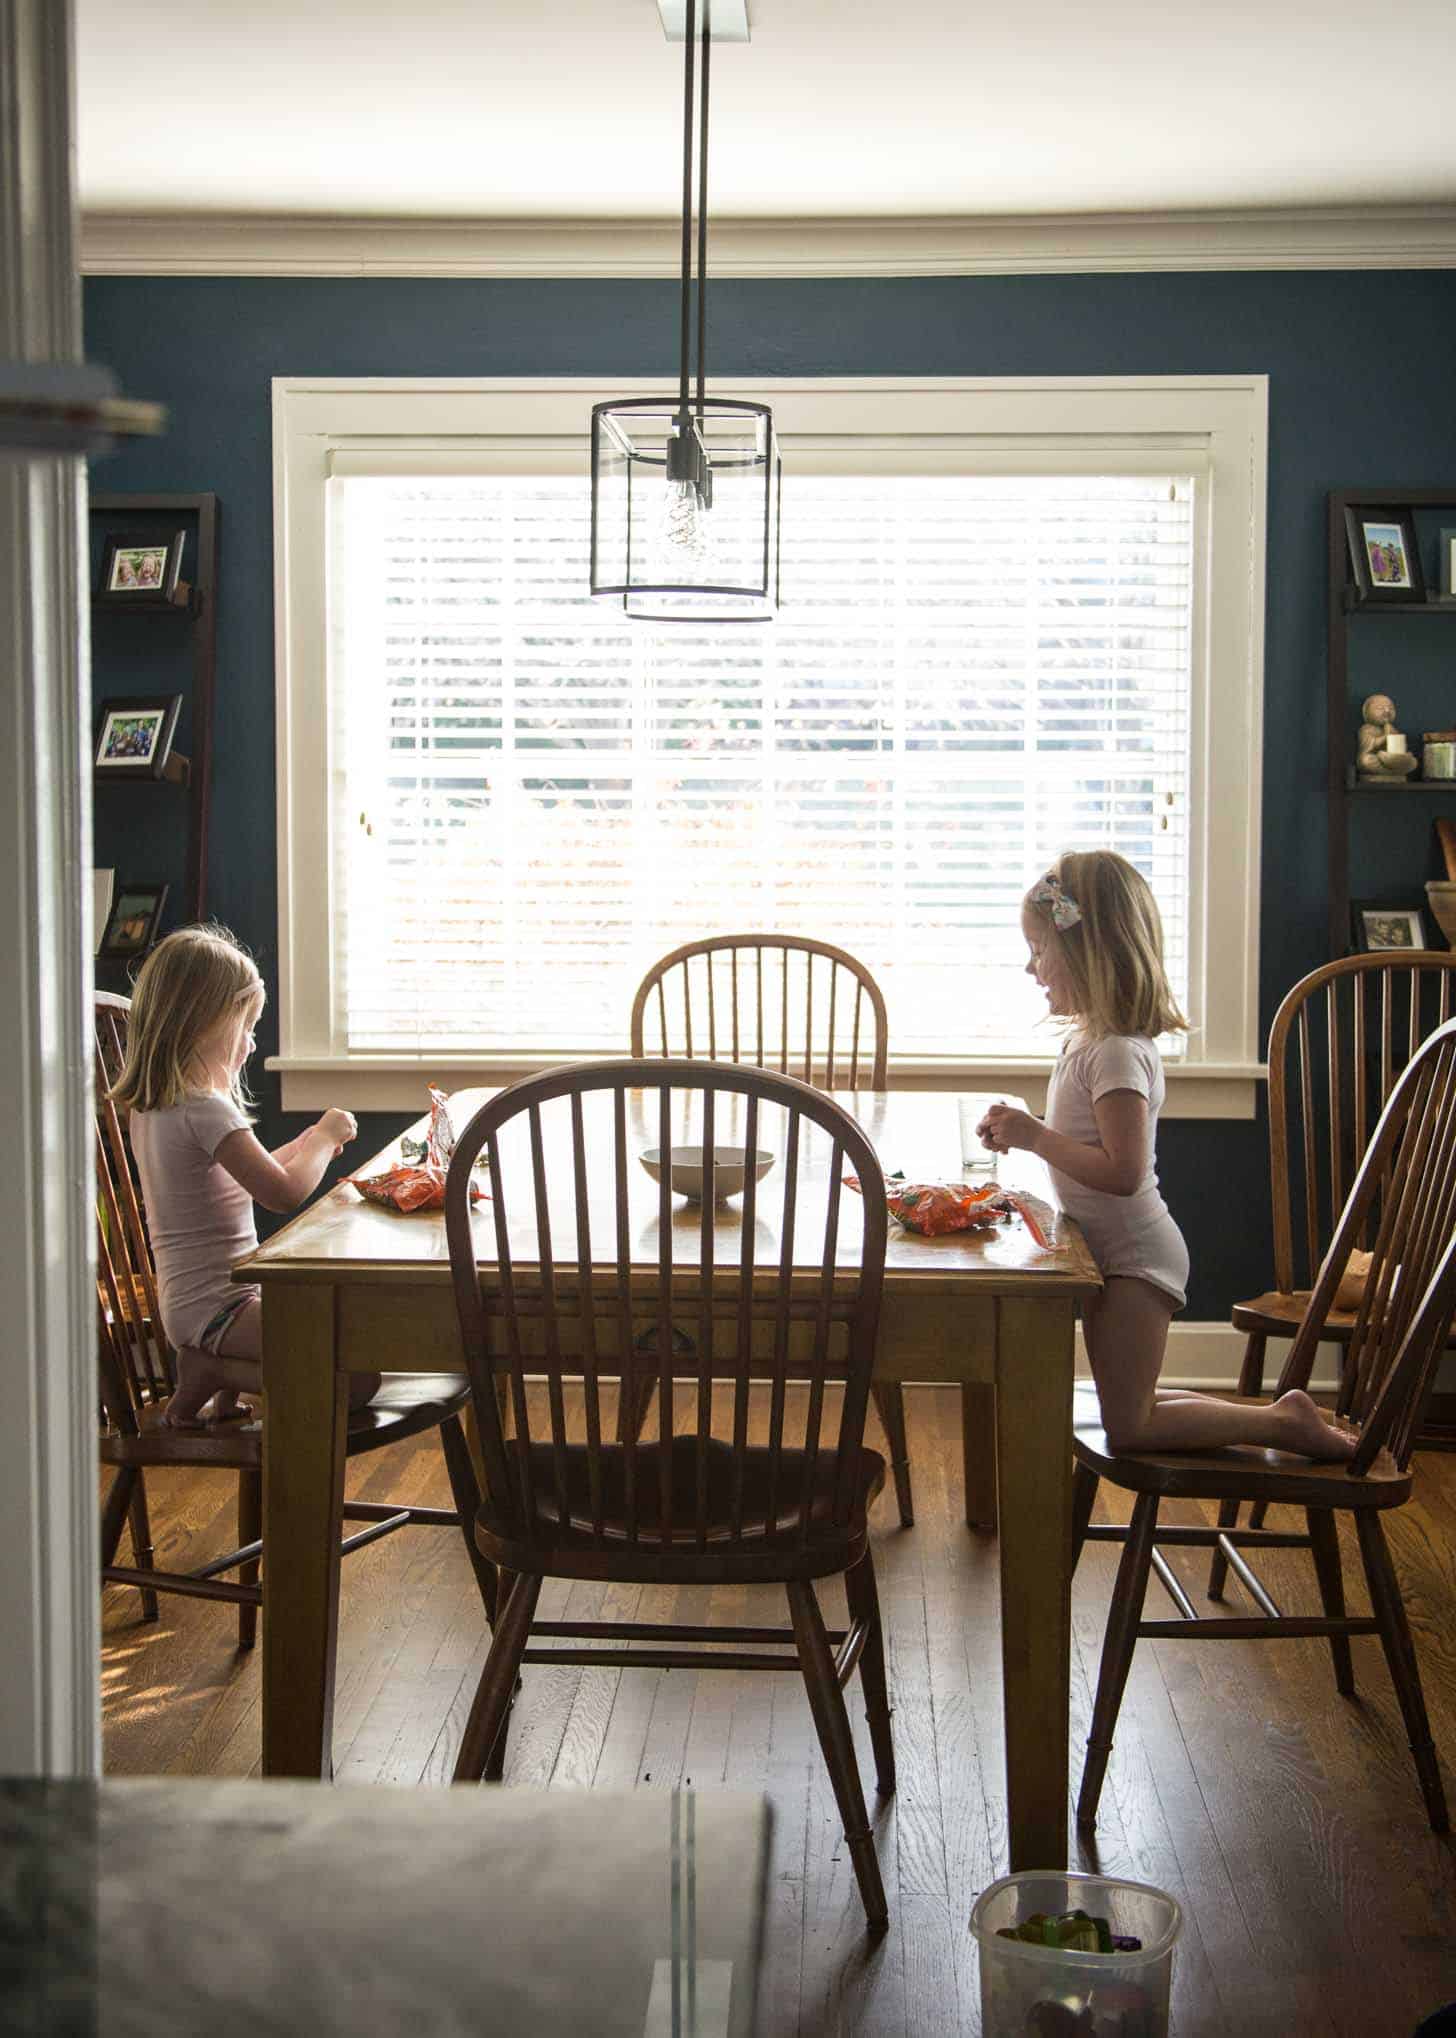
(1446,569)
(134,735)
(140,571)
(131,925)
(1381,926)
(1384,555)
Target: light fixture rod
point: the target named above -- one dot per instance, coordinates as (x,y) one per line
(686,301)
(703,209)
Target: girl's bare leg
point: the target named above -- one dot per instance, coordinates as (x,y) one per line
(1127,1336)
(243,1341)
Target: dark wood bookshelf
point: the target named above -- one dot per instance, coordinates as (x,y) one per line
(1344,607)
(196,600)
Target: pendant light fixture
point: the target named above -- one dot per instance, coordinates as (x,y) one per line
(685,488)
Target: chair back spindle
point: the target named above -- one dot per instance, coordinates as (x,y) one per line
(138,1366)
(562,1166)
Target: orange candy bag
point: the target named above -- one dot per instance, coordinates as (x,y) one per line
(933,1208)
(418,1181)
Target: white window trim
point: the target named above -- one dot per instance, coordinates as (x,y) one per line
(1221,419)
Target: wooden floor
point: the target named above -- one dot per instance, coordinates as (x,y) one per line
(1285,1819)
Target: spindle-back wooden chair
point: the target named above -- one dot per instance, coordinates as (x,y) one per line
(1338,1042)
(547,1289)
(138,1371)
(800,1006)
(1403,1202)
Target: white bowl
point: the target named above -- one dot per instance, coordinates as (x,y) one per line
(730,1169)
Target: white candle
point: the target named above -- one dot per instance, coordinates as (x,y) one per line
(1395,741)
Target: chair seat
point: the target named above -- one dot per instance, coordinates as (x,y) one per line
(1278,1315)
(403,1405)
(1233,1471)
(574,1552)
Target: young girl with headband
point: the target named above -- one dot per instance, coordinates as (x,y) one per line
(1096,948)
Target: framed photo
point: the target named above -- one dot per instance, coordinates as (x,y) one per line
(132,923)
(1379,925)
(140,572)
(134,737)
(1447,574)
(1384,555)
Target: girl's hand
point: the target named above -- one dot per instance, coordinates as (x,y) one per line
(338,1127)
(1003,1128)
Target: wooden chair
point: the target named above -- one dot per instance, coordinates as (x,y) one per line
(1339,1040)
(138,1373)
(1404,1200)
(544,1287)
(783,1001)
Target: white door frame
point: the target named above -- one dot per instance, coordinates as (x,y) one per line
(49,1667)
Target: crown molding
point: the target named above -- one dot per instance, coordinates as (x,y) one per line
(238,244)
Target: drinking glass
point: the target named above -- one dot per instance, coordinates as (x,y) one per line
(975,1158)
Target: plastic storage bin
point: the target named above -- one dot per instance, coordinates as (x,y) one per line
(1039,1992)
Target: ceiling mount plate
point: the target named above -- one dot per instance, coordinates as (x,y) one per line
(728,19)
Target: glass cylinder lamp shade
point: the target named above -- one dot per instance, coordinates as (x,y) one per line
(685,508)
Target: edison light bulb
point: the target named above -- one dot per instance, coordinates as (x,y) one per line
(681,537)
(681,533)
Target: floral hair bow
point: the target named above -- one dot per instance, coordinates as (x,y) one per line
(1047,891)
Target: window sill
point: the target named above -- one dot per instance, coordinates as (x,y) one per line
(397,1082)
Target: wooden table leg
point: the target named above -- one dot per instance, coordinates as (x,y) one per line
(978,1453)
(305,1404)
(1034,1343)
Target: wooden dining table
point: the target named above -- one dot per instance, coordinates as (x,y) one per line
(349,1286)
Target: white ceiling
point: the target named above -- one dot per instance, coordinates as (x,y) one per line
(571,109)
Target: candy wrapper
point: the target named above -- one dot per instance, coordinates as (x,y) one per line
(935,1208)
(418,1182)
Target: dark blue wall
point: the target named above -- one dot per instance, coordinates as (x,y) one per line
(1360,368)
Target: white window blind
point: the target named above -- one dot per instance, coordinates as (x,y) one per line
(534,798)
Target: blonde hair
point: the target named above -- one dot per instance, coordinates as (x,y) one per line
(1113,953)
(192,982)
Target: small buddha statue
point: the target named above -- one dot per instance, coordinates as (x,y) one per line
(1381,751)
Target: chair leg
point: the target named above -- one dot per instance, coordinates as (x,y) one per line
(250,1528)
(634,1398)
(890,1406)
(1400,1654)
(494,1693)
(1325,1545)
(864,1604)
(978,1453)
(466,1493)
(1117,1647)
(1084,1496)
(826,1701)
(127,1502)
(495,1761)
(1251,1372)
(114,1513)
(1228,1517)
(1251,1381)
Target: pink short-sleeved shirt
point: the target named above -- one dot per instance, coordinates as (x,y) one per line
(200,1219)
(1128,1234)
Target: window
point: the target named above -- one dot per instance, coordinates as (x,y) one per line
(995,642)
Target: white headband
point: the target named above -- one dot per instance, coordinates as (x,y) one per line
(1047,891)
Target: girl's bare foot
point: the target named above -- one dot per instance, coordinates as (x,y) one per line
(208,1377)
(226,1407)
(1309,1431)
